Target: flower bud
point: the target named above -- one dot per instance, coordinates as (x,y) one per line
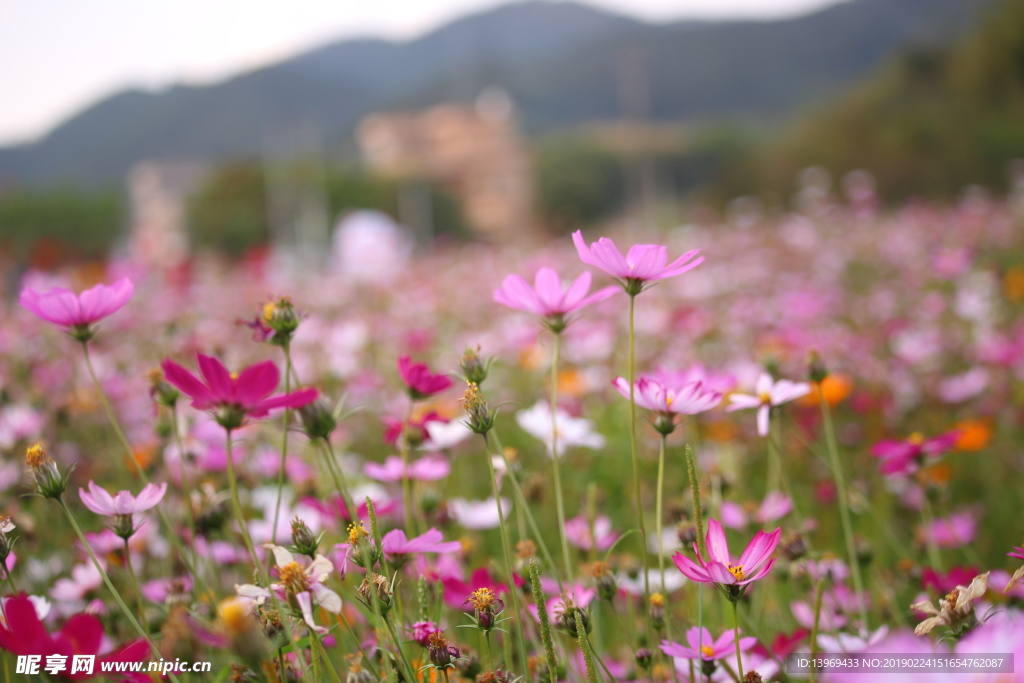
(49,482)
(304,541)
(282,318)
(752,677)
(318,419)
(124,526)
(816,370)
(644,658)
(160,390)
(657,611)
(474,369)
(604,581)
(481,420)
(441,654)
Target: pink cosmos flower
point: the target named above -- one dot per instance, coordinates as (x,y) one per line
(719,567)
(668,400)
(124,503)
(768,394)
(427,468)
(578,532)
(700,645)
(547,299)
(234,397)
(395,544)
(775,506)
(1017,552)
(950,532)
(420,381)
(904,457)
(22,633)
(78,311)
(643,263)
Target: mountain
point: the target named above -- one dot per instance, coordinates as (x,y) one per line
(563,64)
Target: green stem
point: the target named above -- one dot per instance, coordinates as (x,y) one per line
(819,589)
(284,440)
(636,460)
(135,584)
(8,577)
(844,508)
(236,507)
(408,673)
(507,556)
(736,635)
(658,509)
(106,580)
(588,656)
(555,468)
(323,654)
(927,519)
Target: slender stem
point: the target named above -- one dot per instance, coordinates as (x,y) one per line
(736,635)
(819,589)
(927,519)
(555,468)
(487,650)
(284,439)
(186,480)
(135,584)
(844,508)
(236,505)
(409,672)
(507,556)
(636,461)
(106,580)
(658,509)
(403,450)
(323,654)
(8,577)
(338,475)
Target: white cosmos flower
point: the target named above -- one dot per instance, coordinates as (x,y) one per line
(572,431)
(301,579)
(477,514)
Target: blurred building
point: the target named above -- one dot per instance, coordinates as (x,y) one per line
(158,193)
(474,151)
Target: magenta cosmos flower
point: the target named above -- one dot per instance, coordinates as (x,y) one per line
(643,263)
(668,400)
(427,468)
(546,298)
(700,645)
(22,633)
(78,312)
(420,381)
(233,397)
(906,456)
(395,544)
(719,567)
(767,395)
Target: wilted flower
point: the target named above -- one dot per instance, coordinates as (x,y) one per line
(955,610)
(78,312)
(441,654)
(378,587)
(480,418)
(6,543)
(474,369)
(486,606)
(50,483)
(1019,574)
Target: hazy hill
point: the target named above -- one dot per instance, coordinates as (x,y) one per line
(563,63)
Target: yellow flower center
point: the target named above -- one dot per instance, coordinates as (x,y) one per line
(764,397)
(657,600)
(737,571)
(35,456)
(707,651)
(294,578)
(354,532)
(268,310)
(668,400)
(234,614)
(481,599)
(917,438)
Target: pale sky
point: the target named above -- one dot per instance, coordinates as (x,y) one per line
(57,56)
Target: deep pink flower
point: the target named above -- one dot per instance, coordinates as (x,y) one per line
(719,567)
(427,468)
(643,263)
(78,311)
(395,543)
(22,633)
(768,394)
(547,299)
(421,630)
(124,503)
(455,589)
(234,397)
(1017,552)
(421,382)
(702,646)
(904,457)
(943,583)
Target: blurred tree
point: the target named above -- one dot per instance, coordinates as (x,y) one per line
(578,183)
(53,226)
(229,211)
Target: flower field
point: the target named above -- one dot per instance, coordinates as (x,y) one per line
(791,437)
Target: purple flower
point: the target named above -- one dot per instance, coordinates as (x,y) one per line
(78,311)
(395,543)
(719,567)
(642,264)
(702,646)
(234,396)
(768,394)
(547,299)
(904,457)
(420,381)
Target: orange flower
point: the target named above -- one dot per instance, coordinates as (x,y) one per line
(1013,284)
(835,387)
(570,383)
(974,434)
